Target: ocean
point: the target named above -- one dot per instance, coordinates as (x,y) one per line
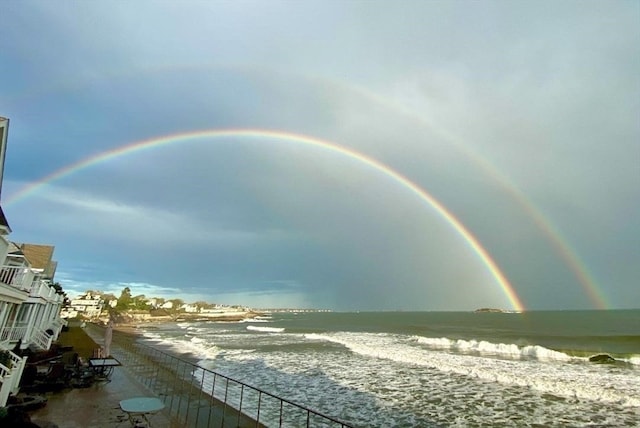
(431,369)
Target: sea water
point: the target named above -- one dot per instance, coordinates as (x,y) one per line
(401,369)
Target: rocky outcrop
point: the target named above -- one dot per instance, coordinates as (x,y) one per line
(602,358)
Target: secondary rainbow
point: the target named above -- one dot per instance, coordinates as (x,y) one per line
(559,242)
(457,225)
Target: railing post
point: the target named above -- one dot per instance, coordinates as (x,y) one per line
(258,411)
(7,384)
(213,396)
(201,387)
(240,406)
(224,407)
(17,371)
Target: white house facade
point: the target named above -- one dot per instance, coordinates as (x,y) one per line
(29,304)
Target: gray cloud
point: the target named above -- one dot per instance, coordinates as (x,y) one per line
(474,103)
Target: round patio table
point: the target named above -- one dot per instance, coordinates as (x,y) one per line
(141,407)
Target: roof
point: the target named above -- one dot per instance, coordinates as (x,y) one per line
(38,255)
(4,130)
(14,249)
(4,224)
(50,271)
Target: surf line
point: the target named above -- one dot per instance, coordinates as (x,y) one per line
(469,238)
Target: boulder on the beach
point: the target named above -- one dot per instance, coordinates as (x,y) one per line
(602,358)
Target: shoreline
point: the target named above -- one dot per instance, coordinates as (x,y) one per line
(135,319)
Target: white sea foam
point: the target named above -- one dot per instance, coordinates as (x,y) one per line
(499,349)
(253,320)
(151,335)
(186,344)
(554,375)
(382,392)
(635,360)
(265,329)
(380,380)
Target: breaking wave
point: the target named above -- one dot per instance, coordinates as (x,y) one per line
(265,329)
(498,349)
(549,372)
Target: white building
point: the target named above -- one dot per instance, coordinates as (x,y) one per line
(88,305)
(29,304)
(189,308)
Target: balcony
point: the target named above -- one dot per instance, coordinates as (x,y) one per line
(13,334)
(27,335)
(18,277)
(42,289)
(23,279)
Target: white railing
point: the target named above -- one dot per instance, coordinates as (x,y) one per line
(40,288)
(7,384)
(57,325)
(41,339)
(17,367)
(10,376)
(38,337)
(13,334)
(16,276)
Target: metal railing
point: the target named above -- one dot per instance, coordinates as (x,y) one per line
(199,397)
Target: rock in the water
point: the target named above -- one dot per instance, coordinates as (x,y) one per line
(602,358)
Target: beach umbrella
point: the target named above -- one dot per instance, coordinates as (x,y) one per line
(108,336)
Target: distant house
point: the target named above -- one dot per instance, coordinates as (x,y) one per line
(189,308)
(89,305)
(166,305)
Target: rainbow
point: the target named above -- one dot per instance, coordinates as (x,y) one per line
(559,243)
(507,289)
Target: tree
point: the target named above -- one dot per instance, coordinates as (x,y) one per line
(140,302)
(176,303)
(124,301)
(56,286)
(202,305)
(107,297)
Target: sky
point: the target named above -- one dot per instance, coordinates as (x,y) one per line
(349,155)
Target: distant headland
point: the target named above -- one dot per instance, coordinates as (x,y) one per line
(129,309)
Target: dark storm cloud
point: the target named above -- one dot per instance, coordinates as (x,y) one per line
(545,93)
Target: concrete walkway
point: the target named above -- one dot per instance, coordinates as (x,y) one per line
(98,405)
